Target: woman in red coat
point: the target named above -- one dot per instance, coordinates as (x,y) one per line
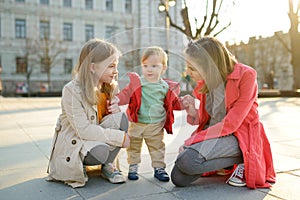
(229,132)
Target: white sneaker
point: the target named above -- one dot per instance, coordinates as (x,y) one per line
(237,178)
(110,172)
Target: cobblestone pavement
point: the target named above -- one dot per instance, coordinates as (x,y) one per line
(26,130)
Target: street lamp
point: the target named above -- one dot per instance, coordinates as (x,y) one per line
(165,8)
(168,3)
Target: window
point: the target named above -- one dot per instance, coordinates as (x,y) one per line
(21,64)
(20,28)
(68,64)
(89,4)
(109,5)
(109,31)
(89,32)
(128,6)
(68,3)
(44,29)
(67,32)
(20,1)
(44,2)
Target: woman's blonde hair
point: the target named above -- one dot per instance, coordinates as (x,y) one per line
(94,51)
(155,50)
(212,59)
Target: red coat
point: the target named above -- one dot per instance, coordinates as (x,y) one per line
(242,119)
(132,94)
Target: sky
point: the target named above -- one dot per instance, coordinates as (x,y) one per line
(251,18)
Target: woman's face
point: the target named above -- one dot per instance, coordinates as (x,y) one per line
(193,71)
(106,71)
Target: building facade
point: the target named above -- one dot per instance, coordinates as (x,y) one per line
(40,40)
(271,59)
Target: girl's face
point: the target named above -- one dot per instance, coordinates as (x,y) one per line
(106,71)
(193,72)
(152,68)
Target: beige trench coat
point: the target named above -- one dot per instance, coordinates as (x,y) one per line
(76,133)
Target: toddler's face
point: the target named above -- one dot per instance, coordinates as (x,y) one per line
(152,68)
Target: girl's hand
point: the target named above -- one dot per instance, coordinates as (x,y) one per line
(126,142)
(112,106)
(115,100)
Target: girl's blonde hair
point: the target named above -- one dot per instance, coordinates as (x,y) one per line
(212,59)
(94,51)
(155,50)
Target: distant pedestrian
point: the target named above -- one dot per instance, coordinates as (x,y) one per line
(229,132)
(91,129)
(151,102)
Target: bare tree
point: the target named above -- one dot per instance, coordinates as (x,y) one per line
(29,68)
(46,53)
(209,25)
(294,47)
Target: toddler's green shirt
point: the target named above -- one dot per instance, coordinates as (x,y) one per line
(153,95)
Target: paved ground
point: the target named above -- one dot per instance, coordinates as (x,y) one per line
(26,128)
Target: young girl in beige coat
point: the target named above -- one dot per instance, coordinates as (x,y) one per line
(91,129)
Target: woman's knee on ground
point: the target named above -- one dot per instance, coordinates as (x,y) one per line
(187,160)
(178,178)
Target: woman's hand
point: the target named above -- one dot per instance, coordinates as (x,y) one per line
(113,106)
(181,149)
(189,104)
(126,142)
(187,100)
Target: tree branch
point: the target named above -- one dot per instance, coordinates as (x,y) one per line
(222,29)
(283,42)
(173,24)
(212,16)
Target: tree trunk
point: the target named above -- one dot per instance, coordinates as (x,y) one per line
(49,81)
(28,84)
(295,43)
(295,61)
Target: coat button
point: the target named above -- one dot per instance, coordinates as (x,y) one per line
(68,159)
(92,117)
(73,142)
